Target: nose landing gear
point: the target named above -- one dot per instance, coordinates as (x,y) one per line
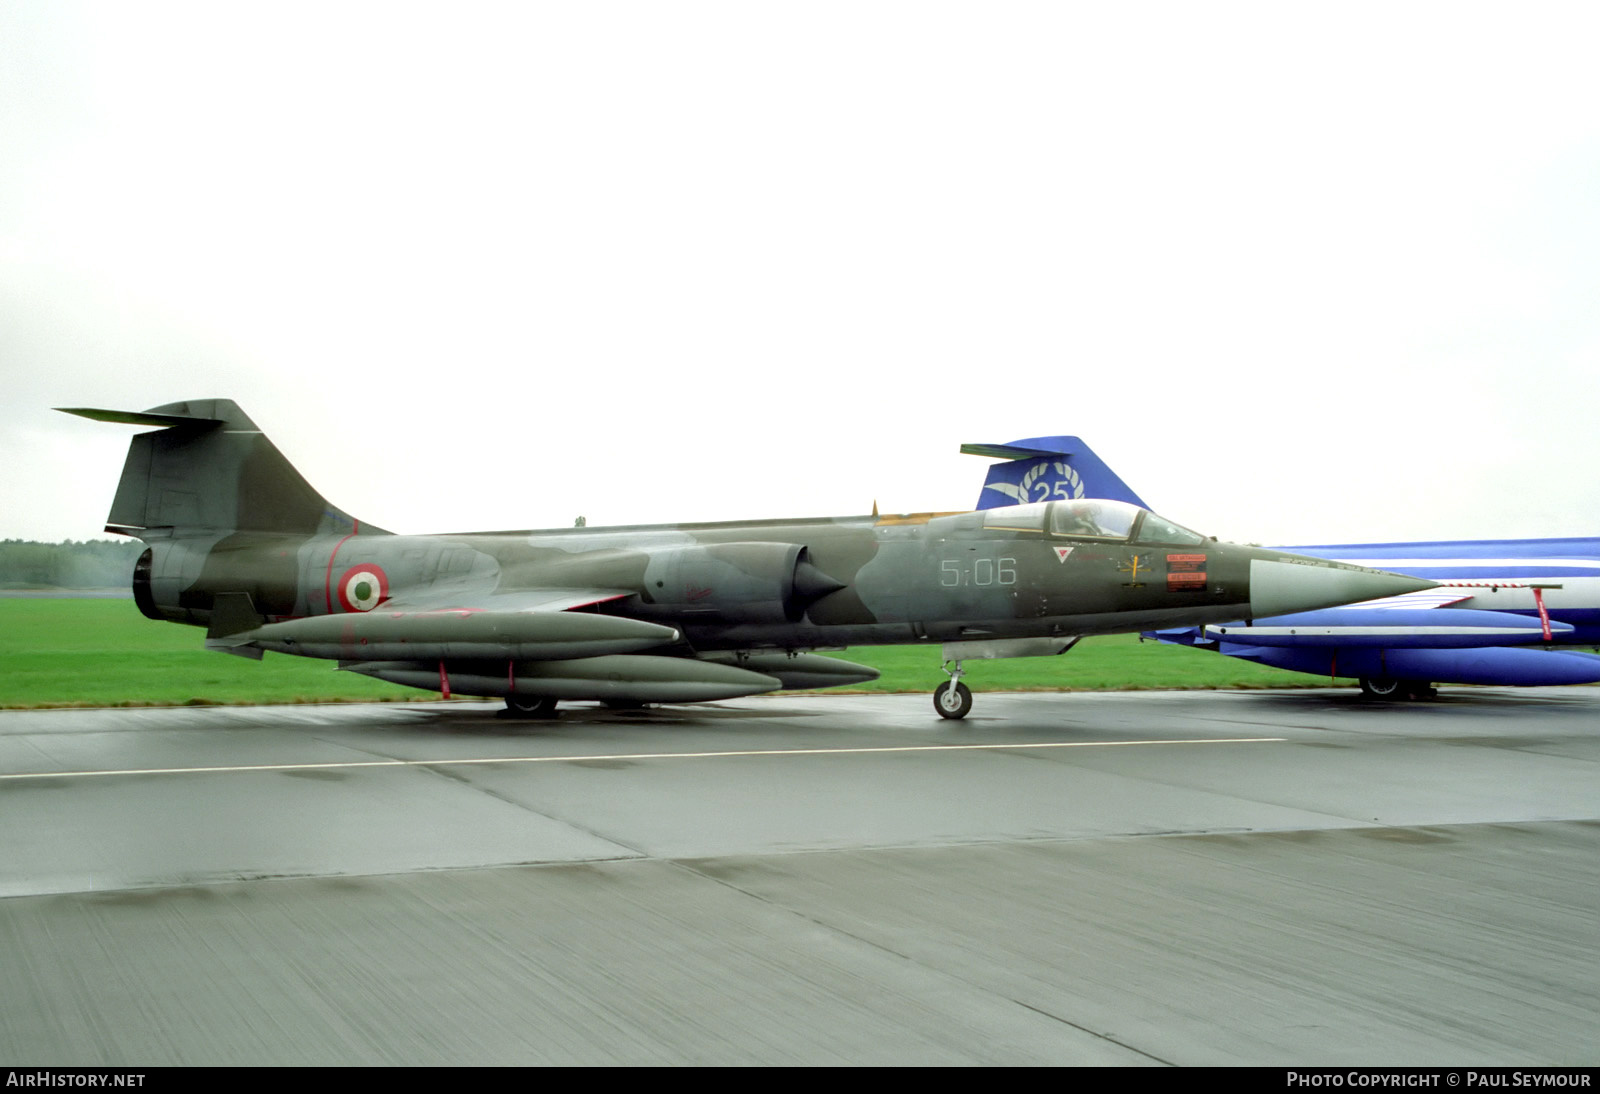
(952,699)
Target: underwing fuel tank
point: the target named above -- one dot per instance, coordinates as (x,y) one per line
(449,635)
(1505,666)
(1354,628)
(626,678)
(802,671)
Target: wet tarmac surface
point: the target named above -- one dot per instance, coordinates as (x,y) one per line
(1294,877)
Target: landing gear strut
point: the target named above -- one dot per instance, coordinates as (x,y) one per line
(952,699)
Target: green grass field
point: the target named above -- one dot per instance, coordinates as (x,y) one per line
(86,652)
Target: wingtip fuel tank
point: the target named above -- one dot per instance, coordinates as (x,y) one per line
(461,633)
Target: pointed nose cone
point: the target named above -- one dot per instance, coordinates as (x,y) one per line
(1293,583)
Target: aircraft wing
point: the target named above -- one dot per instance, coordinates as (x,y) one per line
(470,598)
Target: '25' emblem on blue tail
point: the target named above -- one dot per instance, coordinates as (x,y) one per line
(1037,480)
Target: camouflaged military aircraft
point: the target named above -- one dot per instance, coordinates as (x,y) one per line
(240,544)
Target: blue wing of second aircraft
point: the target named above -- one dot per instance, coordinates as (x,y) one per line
(1504,666)
(1406,639)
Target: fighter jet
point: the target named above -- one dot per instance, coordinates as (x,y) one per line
(240,544)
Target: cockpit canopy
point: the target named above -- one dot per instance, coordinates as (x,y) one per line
(1090,518)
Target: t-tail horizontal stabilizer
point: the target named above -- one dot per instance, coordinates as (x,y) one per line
(208,470)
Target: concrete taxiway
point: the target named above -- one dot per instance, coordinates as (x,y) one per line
(1291,877)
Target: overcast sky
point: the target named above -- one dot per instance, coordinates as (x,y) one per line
(1300,272)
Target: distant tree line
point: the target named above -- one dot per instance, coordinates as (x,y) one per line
(91,564)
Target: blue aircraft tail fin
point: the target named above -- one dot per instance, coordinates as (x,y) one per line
(1046,468)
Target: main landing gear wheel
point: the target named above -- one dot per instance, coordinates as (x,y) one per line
(530,706)
(1384,687)
(952,699)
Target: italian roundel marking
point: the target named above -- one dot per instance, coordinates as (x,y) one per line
(363,588)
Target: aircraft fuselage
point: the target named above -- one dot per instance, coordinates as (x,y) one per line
(785,584)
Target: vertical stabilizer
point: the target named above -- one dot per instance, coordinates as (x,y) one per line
(1047,469)
(209,470)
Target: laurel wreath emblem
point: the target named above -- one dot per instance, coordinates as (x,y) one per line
(1062,471)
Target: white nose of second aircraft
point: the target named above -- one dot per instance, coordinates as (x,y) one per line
(1281,587)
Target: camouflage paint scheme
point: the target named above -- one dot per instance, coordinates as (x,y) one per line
(241,544)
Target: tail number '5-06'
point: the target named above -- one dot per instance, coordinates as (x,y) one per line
(977,571)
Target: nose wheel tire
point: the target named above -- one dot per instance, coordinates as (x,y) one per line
(952,699)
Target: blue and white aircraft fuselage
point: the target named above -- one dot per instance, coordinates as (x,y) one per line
(1504,603)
